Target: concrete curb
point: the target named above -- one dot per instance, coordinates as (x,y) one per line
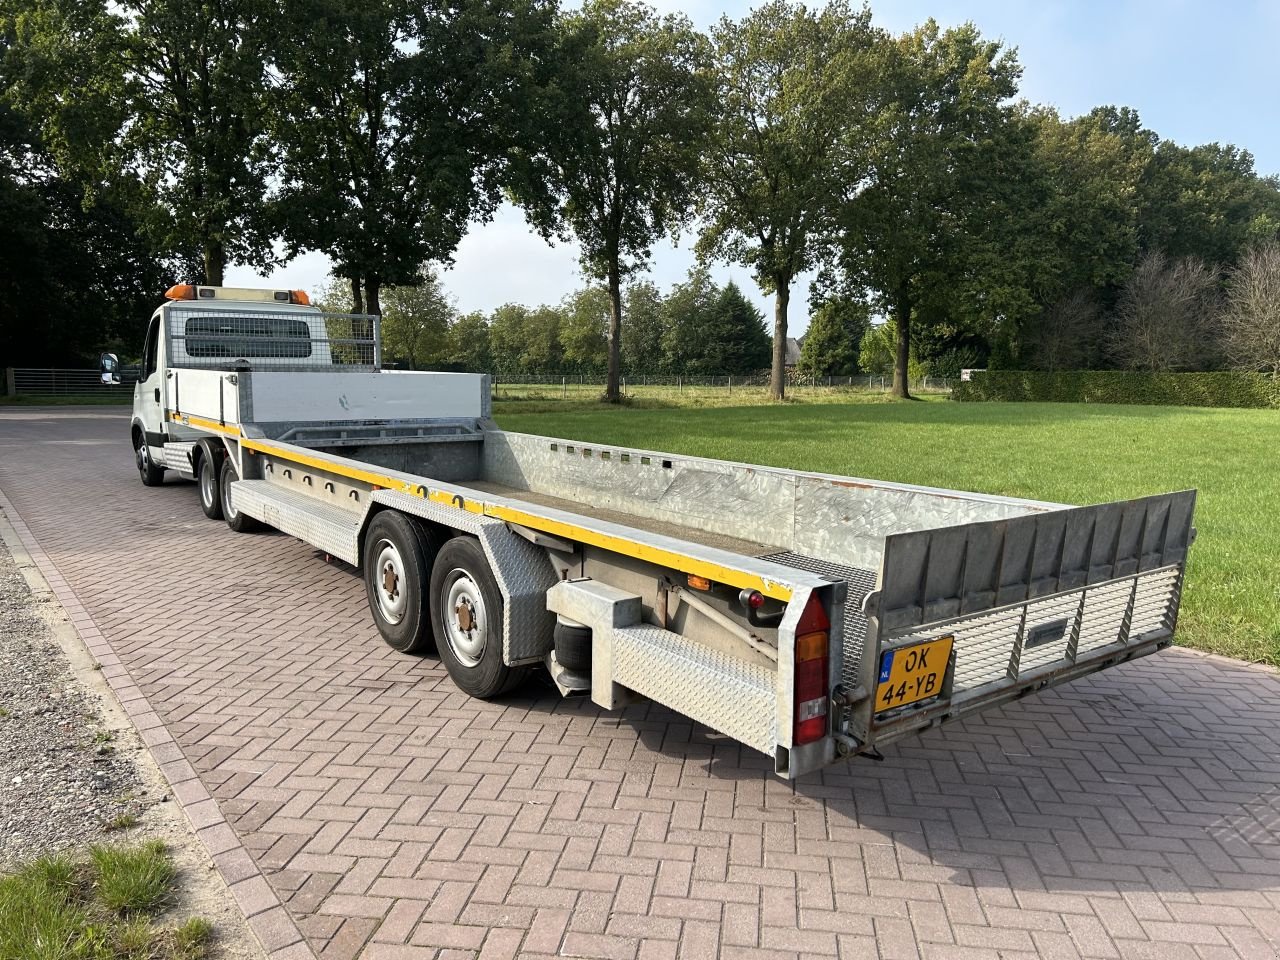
(270,922)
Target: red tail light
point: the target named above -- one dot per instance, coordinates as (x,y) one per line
(812,666)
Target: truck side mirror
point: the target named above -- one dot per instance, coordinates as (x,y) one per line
(109,368)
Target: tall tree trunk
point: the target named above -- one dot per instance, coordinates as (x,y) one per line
(902,361)
(778,374)
(215,257)
(357,297)
(612,391)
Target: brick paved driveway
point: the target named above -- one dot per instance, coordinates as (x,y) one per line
(1132,815)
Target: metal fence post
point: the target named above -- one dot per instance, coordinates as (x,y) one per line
(564,388)
(377,341)
(10,389)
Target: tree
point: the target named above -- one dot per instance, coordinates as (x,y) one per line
(1251,320)
(797,90)
(172,91)
(584,331)
(878,350)
(642,347)
(834,340)
(395,119)
(525,340)
(415,322)
(1067,334)
(467,344)
(75,278)
(621,153)
(1166,316)
(928,224)
(686,317)
(733,338)
(1206,202)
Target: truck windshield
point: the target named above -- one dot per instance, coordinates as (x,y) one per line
(223,336)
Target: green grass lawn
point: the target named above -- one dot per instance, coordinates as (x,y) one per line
(1070,453)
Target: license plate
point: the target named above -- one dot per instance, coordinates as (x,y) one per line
(911,674)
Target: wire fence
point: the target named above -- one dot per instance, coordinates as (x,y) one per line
(515,386)
(66,382)
(78,382)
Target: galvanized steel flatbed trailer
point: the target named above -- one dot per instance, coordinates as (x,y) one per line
(811,617)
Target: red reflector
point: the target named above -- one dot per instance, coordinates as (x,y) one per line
(814,619)
(811,701)
(807,731)
(756,600)
(811,679)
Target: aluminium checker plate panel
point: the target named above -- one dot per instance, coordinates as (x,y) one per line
(332,529)
(730,695)
(523,571)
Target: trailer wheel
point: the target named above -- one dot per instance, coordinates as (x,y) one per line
(152,475)
(210,488)
(395,576)
(466,615)
(237,521)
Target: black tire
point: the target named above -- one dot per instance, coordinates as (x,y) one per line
(466,616)
(210,485)
(152,475)
(237,521)
(395,581)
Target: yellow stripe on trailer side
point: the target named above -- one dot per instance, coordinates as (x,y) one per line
(623,545)
(187,420)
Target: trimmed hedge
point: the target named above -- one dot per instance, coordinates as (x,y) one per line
(1219,389)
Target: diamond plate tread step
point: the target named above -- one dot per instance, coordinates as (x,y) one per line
(735,697)
(174,456)
(326,527)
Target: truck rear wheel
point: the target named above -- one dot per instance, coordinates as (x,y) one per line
(151,474)
(395,579)
(466,615)
(210,488)
(237,521)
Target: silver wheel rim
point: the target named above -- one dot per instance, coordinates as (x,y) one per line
(206,484)
(228,510)
(466,622)
(389,586)
(142,455)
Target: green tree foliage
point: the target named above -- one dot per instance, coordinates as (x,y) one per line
(797,89)
(467,344)
(622,141)
(686,315)
(395,120)
(526,340)
(877,350)
(1206,202)
(926,227)
(75,280)
(642,346)
(168,95)
(415,323)
(584,330)
(834,341)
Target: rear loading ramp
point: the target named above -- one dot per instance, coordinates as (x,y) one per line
(1028,602)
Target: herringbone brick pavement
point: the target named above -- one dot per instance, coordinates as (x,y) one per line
(1131,815)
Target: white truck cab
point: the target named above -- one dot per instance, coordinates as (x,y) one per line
(221,328)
